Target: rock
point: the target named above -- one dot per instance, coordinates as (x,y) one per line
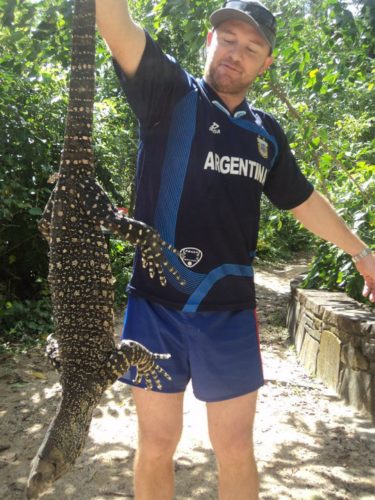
(329,359)
(354,358)
(330,330)
(308,354)
(368,348)
(356,387)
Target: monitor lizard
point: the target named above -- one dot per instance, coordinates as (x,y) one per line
(80,277)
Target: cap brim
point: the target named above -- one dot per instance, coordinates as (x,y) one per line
(226,14)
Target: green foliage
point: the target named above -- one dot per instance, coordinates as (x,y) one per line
(115,134)
(281,235)
(333,269)
(32,106)
(25,322)
(34,62)
(340,276)
(122,254)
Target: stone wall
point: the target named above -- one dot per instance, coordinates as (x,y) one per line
(334,338)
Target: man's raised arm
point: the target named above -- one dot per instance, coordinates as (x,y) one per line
(125,39)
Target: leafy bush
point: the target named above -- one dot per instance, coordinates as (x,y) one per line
(321,88)
(35,41)
(333,269)
(24,323)
(281,235)
(121,254)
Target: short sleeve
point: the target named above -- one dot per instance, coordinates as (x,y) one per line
(157,86)
(286,186)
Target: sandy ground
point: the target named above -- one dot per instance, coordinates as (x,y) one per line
(309,445)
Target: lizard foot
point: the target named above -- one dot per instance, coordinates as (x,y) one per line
(52,352)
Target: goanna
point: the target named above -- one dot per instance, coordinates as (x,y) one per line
(80,278)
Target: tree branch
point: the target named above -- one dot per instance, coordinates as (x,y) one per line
(279,92)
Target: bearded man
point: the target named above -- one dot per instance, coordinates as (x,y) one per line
(206,156)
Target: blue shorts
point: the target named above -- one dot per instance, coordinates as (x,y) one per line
(217,350)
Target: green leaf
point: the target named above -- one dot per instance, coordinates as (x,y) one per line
(12,259)
(35,211)
(316,141)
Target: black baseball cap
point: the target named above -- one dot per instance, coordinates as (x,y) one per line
(250,11)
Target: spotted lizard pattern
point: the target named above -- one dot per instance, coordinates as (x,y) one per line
(80,277)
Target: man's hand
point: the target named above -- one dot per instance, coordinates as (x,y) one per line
(366,267)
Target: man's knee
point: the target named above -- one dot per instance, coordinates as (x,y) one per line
(234,446)
(159,442)
(158,445)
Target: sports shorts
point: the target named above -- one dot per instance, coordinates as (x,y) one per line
(217,350)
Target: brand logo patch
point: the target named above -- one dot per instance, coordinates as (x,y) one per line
(215,128)
(191,256)
(262,147)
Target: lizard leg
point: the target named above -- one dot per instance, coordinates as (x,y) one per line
(132,353)
(52,352)
(98,206)
(67,433)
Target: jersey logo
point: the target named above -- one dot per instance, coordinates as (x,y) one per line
(191,256)
(263,147)
(215,128)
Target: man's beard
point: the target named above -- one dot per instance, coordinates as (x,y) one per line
(224,84)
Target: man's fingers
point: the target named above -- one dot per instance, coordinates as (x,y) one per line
(369,289)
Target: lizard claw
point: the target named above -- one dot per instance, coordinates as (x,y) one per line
(153,248)
(52,352)
(145,362)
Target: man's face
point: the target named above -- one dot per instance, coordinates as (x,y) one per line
(236,55)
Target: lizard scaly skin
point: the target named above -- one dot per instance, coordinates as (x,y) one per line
(80,277)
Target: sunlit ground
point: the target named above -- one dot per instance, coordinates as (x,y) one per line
(308,444)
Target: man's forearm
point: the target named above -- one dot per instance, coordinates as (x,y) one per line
(125,39)
(112,15)
(319,217)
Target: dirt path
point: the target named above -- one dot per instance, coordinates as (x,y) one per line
(308,444)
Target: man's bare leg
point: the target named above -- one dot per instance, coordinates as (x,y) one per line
(159,431)
(230,425)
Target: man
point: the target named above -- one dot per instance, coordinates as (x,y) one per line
(205,158)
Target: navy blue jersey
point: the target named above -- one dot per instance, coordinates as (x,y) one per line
(201,172)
